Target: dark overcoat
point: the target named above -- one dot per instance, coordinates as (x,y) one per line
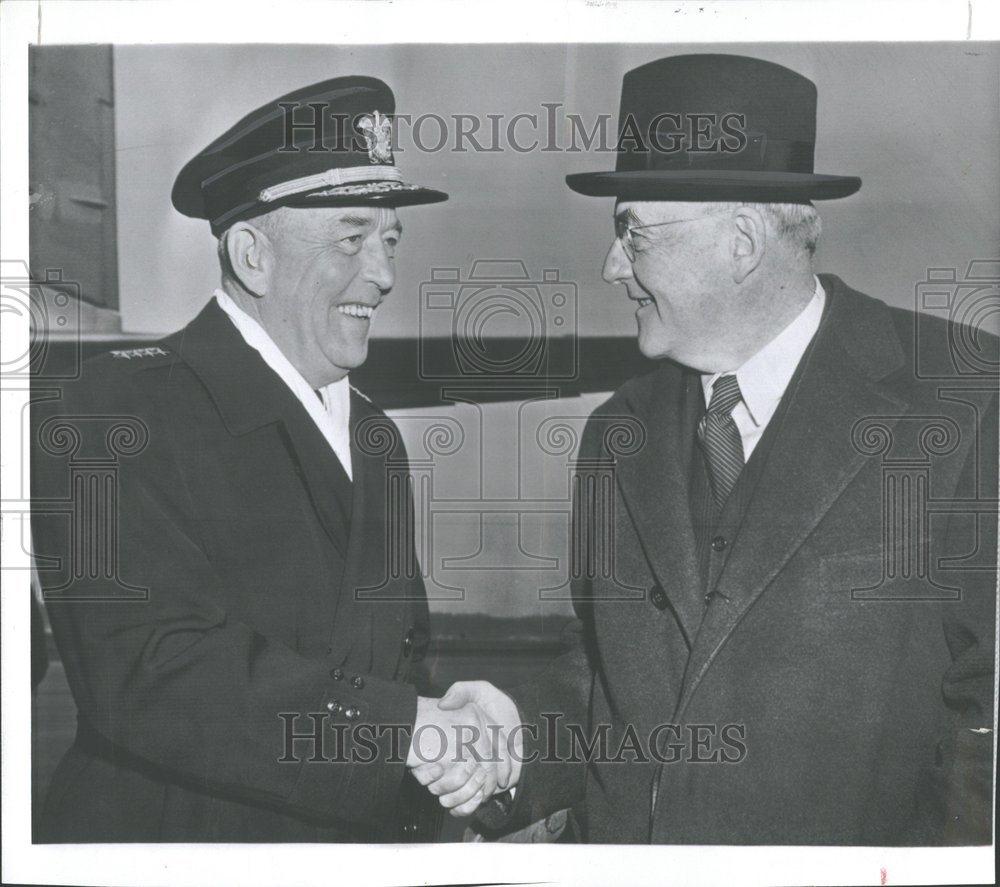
(832,683)
(215,584)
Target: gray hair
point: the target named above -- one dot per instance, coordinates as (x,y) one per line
(798,224)
(265,222)
(222,251)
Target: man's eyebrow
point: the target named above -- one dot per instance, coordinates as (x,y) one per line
(354,221)
(365,222)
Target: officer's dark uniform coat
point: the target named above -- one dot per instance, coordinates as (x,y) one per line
(858,717)
(255,551)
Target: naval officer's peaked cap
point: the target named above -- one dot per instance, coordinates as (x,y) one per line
(329,144)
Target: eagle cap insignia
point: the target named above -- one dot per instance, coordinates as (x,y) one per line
(377,131)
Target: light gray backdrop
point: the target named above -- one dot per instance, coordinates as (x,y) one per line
(918,123)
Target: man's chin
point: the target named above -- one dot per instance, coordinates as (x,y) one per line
(350,358)
(651,349)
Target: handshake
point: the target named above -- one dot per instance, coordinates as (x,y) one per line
(466,746)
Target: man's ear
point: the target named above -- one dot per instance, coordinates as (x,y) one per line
(250,257)
(749,241)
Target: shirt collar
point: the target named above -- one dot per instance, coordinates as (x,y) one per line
(765,376)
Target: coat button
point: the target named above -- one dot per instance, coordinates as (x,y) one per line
(357,682)
(659,597)
(719,543)
(334,707)
(415,642)
(353,713)
(337,674)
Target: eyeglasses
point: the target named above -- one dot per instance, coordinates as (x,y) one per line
(623,230)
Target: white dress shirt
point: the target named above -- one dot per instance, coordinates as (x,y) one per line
(765,376)
(332,416)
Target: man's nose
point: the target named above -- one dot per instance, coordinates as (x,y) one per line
(379,268)
(617,267)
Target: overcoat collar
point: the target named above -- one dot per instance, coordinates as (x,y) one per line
(247,393)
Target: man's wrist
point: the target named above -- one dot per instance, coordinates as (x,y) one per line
(425,705)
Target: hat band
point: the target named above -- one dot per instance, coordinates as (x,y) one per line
(760,154)
(331,178)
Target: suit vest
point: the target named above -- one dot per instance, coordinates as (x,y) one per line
(717,530)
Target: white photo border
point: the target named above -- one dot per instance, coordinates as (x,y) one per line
(23,23)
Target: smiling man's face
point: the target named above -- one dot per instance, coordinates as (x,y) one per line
(675,278)
(329,269)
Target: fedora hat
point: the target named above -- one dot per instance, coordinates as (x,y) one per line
(328,144)
(715,127)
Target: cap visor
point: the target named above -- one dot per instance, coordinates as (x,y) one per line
(373,194)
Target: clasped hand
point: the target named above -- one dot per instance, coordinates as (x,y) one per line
(466,746)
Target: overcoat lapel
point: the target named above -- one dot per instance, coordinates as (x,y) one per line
(810,463)
(249,395)
(654,487)
(366,563)
(323,477)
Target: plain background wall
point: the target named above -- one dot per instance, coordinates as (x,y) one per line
(919,124)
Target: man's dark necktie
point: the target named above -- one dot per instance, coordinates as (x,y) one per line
(720,438)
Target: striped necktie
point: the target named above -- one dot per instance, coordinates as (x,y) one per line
(720,438)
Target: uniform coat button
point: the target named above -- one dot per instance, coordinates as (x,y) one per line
(357,682)
(659,597)
(334,706)
(337,674)
(719,543)
(353,713)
